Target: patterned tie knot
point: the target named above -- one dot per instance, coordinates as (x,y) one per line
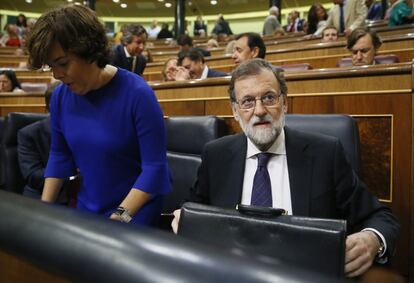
(262,159)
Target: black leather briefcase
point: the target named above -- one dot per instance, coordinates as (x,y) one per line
(263,233)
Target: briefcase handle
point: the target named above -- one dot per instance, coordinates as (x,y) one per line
(260,210)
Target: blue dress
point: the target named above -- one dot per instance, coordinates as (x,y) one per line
(115,136)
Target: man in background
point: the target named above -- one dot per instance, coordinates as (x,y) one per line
(248,45)
(191,65)
(154,30)
(271,23)
(128,54)
(295,24)
(329,34)
(363,44)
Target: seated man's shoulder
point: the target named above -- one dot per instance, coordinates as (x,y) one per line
(214,73)
(225,142)
(42,125)
(314,139)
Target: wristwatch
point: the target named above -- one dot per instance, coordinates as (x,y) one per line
(123,213)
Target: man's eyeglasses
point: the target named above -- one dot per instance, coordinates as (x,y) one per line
(270,99)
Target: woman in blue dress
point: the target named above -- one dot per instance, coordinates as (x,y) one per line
(105,122)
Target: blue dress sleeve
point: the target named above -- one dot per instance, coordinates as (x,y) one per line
(60,163)
(149,125)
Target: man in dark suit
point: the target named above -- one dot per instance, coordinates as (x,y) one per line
(128,54)
(305,174)
(191,65)
(33,145)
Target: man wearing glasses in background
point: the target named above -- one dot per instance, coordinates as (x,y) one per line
(274,166)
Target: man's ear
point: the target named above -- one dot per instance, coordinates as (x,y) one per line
(285,104)
(255,52)
(235,113)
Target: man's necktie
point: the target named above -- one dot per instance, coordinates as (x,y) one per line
(341,18)
(262,189)
(134,63)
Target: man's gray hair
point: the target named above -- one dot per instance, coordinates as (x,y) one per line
(274,11)
(254,67)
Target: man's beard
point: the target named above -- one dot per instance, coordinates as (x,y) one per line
(263,138)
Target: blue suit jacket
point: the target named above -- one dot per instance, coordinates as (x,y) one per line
(215,74)
(322,182)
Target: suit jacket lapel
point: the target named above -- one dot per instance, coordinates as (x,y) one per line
(235,163)
(300,168)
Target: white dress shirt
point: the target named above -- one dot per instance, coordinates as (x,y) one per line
(134,59)
(205,72)
(278,172)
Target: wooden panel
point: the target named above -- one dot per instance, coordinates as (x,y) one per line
(183,108)
(376,153)
(16,270)
(319,62)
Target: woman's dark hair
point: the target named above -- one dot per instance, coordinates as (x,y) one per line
(76,28)
(313,19)
(11,75)
(23,22)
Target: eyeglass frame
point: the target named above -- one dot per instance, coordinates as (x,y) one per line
(276,104)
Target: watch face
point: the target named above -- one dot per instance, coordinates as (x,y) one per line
(120,210)
(123,214)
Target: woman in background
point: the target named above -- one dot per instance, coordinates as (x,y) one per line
(106,121)
(11,37)
(9,82)
(317,17)
(401,13)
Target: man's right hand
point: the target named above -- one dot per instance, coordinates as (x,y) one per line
(176,220)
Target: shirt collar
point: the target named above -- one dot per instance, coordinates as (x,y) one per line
(278,147)
(205,72)
(127,53)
